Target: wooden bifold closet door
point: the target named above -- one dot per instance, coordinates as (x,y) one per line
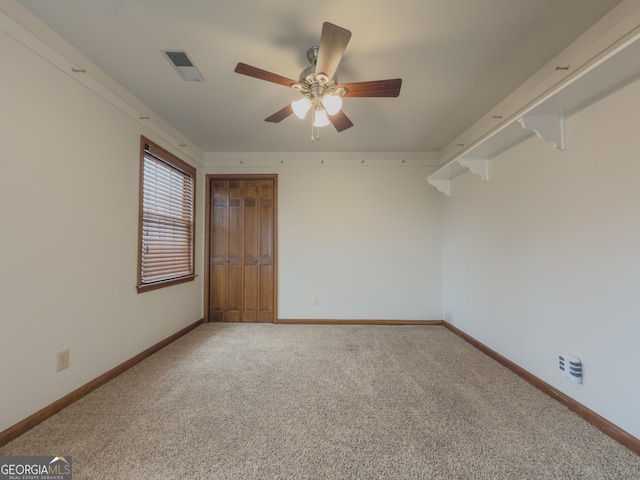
(241,237)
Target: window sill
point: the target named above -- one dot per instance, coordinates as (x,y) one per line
(147,287)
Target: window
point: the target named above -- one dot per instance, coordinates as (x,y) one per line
(166,219)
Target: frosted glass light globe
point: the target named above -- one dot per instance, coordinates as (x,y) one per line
(321,119)
(332,103)
(301,107)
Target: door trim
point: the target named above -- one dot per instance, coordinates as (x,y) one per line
(207,245)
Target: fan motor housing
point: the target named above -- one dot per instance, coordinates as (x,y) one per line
(310,84)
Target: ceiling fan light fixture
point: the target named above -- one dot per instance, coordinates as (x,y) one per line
(301,107)
(332,103)
(319,84)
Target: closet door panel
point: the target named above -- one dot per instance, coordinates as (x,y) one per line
(241,250)
(250,251)
(234,253)
(266,251)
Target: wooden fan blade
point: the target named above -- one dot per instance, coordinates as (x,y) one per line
(340,121)
(333,42)
(375,88)
(280,115)
(245,69)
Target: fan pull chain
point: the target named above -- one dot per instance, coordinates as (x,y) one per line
(313,117)
(315,136)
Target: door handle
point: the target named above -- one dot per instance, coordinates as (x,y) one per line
(255,261)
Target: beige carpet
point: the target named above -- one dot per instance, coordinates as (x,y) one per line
(252,401)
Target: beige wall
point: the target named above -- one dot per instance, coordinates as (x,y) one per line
(364,239)
(543,259)
(68,245)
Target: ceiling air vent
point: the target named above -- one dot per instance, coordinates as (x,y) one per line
(183,65)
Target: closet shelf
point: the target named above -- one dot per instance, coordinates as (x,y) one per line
(544,117)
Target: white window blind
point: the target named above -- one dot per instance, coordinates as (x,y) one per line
(167,211)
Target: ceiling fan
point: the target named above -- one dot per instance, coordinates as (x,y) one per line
(321,92)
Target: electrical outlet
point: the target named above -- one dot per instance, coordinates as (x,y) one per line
(314,300)
(62,360)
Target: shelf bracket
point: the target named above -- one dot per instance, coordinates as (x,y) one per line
(443,185)
(479,166)
(549,128)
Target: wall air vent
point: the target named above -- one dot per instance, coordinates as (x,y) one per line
(571,367)
(183,65)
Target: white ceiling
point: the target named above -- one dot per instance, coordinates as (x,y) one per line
(457,59)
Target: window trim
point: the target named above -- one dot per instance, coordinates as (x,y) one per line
(175,162)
